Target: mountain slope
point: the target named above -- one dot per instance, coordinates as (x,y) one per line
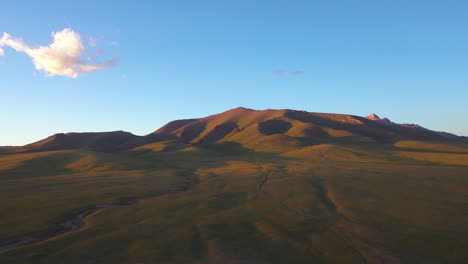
(290,129)
(97,141)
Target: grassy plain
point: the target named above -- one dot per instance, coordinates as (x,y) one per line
(328,203)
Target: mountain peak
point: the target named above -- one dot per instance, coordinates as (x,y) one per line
(373,117)
(240,108)
(376,118)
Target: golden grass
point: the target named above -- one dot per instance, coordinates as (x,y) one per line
(14,160)
(337,153)
(442,158)
(420,145)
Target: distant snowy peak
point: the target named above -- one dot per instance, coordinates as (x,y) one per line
(413,126)
(376,118)
(373,117)
(386,121)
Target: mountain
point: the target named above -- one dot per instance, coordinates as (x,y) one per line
(283,129)
(97,141)
(276,130)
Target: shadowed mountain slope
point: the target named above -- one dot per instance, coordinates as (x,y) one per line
(98,141)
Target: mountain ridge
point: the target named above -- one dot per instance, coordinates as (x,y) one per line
(387,121)
(278,127)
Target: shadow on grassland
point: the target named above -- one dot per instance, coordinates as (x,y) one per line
(208,155)
(50,165)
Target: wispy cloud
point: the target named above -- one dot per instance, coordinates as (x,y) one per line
(277,72)
(64,56)
(297,72)
(283,72)
(92,41)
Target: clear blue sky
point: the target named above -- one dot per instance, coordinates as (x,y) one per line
(405,60)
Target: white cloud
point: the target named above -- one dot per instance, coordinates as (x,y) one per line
(62,57)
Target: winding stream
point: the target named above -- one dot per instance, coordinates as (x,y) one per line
(77,221)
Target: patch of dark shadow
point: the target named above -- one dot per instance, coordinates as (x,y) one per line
(225,201)
(174,147)
(153,138)
(219,132)
(274,126)
(227,148)
(192,131)
(51,165)
(316,132)
(197,245)
(243,239)
(6,149)
(322,194)
(112,141)
(310,141)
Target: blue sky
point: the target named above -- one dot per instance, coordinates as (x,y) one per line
(405,60)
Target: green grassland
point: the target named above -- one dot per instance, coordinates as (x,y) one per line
(326,203)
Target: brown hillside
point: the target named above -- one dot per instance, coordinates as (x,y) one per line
(285,129)
(102,141)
